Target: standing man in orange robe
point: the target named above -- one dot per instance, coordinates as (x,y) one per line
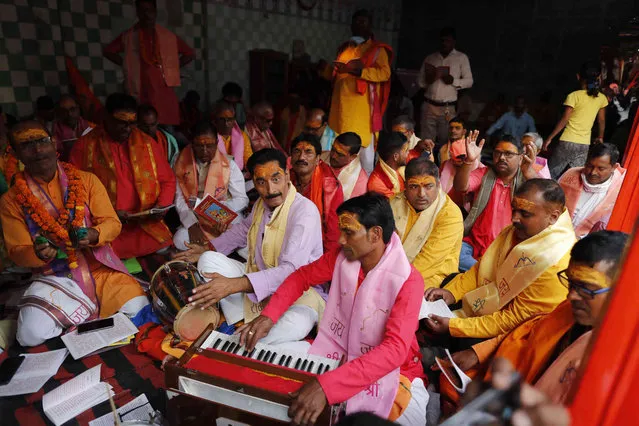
(58,222)
(361,86)
(135,172)
(152,60)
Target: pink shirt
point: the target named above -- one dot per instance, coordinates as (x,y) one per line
(398,349)
(495,217)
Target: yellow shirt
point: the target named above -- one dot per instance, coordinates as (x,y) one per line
(543,295)
(350,111)
(439,256)
(248,150)
(585,109)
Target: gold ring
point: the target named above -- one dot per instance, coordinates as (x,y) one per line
(251,333)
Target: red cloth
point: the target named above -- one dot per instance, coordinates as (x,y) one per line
(379,101)
(133,241)
(399,341)
(91,105)
(380,182)
(496,216)
(154,90)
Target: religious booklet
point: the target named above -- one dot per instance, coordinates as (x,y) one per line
(457,378)
(76,396)
(81,345)
(139,409)
(212,211)
(155,210)
(34,372)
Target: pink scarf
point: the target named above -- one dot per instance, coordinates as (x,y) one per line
(237,145)
(355,320)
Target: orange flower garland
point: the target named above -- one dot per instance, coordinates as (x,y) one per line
(76,200)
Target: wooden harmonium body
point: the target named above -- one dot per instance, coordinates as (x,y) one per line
(218,382)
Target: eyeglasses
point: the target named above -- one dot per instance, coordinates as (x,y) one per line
(579,287)
(507,154)
(32,145)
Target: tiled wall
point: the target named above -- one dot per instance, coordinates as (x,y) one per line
(36,34)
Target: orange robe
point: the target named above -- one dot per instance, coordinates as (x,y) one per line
(113,288)
(380,182)
(138,177)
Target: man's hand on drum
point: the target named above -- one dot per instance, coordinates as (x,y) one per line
(218,288)
(193,253)
(252,332)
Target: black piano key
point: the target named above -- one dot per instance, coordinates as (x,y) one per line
(282,360)
(259,356)
(238,349)
(297,364)
(217,343)
(272,359)
(326,368)
(252,353)
(245,353)
(232,347)
(288,361)
(303,367)
(310,367)
(320,368)
(225,346)
(267,356)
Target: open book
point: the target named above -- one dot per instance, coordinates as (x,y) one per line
(34,372)
(139,409)
(81,345)
(76,396)
(453,373)
(438,307)
(212,211)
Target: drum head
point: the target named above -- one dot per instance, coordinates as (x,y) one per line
(191,321)
(171,286)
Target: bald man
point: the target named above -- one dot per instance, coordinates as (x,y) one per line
(69,125)
(317,124)
(258,127)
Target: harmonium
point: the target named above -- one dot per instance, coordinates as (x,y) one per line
(218,382)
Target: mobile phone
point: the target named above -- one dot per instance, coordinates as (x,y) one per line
(96,325)
(9,367)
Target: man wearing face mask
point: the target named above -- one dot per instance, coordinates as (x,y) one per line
(151,57)
(344,160)
(135,172)
(315,180)
(361,86)
(258,127)
(547,350)
(517,276)
(370,320)
(282,234)
(592,190)
(429,223)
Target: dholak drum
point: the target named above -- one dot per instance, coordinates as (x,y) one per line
(191,321)
(171,286)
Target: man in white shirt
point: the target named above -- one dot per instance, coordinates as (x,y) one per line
(442,74)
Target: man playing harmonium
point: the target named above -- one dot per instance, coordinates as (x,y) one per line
(58,221)
(282,233)
(370,320)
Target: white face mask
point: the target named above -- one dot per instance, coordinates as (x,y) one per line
(358,39)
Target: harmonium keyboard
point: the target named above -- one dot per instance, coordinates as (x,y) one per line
(218,380)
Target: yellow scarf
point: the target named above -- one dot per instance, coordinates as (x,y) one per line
(271,244)
(392,175)
(504,273)
(420,231)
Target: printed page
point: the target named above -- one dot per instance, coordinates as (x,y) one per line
(81,345)
(138,409)
(34,372)
(438,307)
(72,388)
(72,407)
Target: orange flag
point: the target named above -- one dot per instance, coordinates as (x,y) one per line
(91,106)
(626,210)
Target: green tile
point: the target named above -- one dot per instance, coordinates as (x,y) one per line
(5,79)
(54,91)
(64,4)
(24,14)
(30,47)
(187,5)
(197,43)
(48,63)
(10,30)
(197,20)
(22,94)
(82,49)
(93,35)
(97,63)
(99,90)
(104,22)
(64,80)
(115,9)
(43,32)
(78,20)
(110,76)
(38,3)
(36,77)
(16,62)
(67,34)
(90,6)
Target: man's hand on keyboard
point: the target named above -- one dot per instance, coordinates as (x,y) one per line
(252,332)
(308,403)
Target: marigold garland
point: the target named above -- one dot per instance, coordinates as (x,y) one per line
(76,200)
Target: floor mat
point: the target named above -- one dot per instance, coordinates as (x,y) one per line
(129,372)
